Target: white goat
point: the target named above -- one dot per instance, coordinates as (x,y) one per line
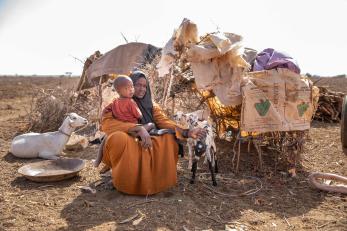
(192,120)
(46,145)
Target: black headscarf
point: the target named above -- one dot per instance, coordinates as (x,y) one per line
(145,104)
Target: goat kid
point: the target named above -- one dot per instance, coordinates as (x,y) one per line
(46,145)
(197,148)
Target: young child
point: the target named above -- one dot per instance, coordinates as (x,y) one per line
(124,108)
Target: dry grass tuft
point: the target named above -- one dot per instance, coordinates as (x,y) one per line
(49,107)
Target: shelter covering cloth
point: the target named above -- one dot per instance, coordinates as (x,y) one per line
(217,75)
(270,59)
(217,65)
(136,170)
(186,33)
(276,100)
(216,60)
(121,60)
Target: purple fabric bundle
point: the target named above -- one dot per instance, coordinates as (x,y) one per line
(271,59)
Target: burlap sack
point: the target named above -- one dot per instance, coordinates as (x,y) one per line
(276,100)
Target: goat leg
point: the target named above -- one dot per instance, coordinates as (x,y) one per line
(214,182)
(194,167)
(214,160)
(190,155)
(216,167)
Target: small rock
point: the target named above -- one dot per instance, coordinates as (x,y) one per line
(76,143)
(89,204)
(8,107)
(87,189)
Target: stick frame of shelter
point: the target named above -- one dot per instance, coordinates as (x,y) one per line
(166,82)
(169,87)
(100,101)
(237,153)
(173,104)
(256,144)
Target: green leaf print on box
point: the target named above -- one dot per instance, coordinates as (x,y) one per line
(302,108)
(262,107)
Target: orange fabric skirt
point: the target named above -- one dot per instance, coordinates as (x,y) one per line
(140,171)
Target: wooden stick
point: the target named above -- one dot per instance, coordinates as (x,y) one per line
(256,145)
(249,146)
(211,218)
(238,155)
(247,193)
(173,105)
(169,87)
(145,202)
(287,221)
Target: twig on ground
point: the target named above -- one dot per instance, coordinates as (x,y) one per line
(247,193)
(46,186)
(211,218)
(128,219)
(325,224)
(145,202)
(284,217)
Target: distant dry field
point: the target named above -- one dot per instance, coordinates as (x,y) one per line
(283,203)
(337,83)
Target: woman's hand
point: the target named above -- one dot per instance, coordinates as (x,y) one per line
(197,133)
(146,141)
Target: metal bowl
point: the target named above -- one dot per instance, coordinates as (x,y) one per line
(52,170)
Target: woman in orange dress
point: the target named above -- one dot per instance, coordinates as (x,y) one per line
(142,164)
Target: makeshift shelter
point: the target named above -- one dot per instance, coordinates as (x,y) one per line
(215,68)
(275,105)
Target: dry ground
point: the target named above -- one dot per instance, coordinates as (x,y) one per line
(283,203)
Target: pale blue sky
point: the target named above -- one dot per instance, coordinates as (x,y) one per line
(39,36)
